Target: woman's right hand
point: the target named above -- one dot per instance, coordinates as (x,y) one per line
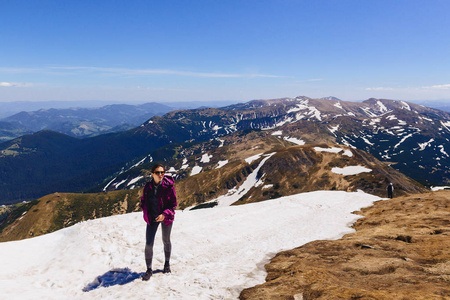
(160,218)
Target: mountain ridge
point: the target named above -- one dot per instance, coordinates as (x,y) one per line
(83,122)
(105,154)
(277,170)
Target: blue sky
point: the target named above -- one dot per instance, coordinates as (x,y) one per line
(141,51)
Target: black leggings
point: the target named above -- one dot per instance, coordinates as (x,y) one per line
(150,239)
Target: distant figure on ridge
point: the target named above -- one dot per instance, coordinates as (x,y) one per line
(158,204)
(390,190)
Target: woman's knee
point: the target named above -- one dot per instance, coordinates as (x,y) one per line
(166,240)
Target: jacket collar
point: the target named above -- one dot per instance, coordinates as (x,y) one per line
(167,181)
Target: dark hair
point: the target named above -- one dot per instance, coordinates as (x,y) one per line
(156,166)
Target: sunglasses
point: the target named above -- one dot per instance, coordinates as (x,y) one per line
(159,172)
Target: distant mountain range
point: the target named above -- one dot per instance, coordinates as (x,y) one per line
(82,122)
(9,131)
(83,119)
(13,107)
(438,104)
(412,138)
(8,109)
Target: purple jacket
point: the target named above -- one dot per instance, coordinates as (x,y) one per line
(167,200)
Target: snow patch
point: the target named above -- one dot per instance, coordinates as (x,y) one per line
(422,146)
(315,112)
(439,188)
(251,159)
(403,139)
(338,105)
(221,142)
(116,186)
(348,153)
(184,164)
(221,163)
(367,141)
(108,184)
(426,119)
(368,112)
(374,121)
(443,150)
(196,170)
(331,150)
(294,140)
(251,181)
(206,158)
(446,125)
(405,105)
(334,129)
(299,107)
(382,107)
(139,163)
(350,170)
(134,180)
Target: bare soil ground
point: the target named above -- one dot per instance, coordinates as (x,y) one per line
(400,250)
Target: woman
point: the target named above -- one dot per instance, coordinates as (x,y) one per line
(158,203)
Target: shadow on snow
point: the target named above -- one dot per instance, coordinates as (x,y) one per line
(113,277)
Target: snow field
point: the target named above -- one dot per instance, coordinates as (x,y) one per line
(216,252)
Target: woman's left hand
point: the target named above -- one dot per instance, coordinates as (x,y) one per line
(160,218)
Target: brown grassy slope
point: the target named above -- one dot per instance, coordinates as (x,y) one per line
(60,210)
(299,169)
(291,170)
(400,250)
(212,182)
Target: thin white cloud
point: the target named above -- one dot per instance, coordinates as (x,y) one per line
(13,84)
(298,82)
(379,89)
(20,70)
(144,72)
(438,87)
(63,70)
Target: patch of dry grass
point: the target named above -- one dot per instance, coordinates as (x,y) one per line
(400,250)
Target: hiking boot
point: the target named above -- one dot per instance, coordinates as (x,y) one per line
(147,275)
(166,268)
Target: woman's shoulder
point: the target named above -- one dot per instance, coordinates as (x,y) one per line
(168,181)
